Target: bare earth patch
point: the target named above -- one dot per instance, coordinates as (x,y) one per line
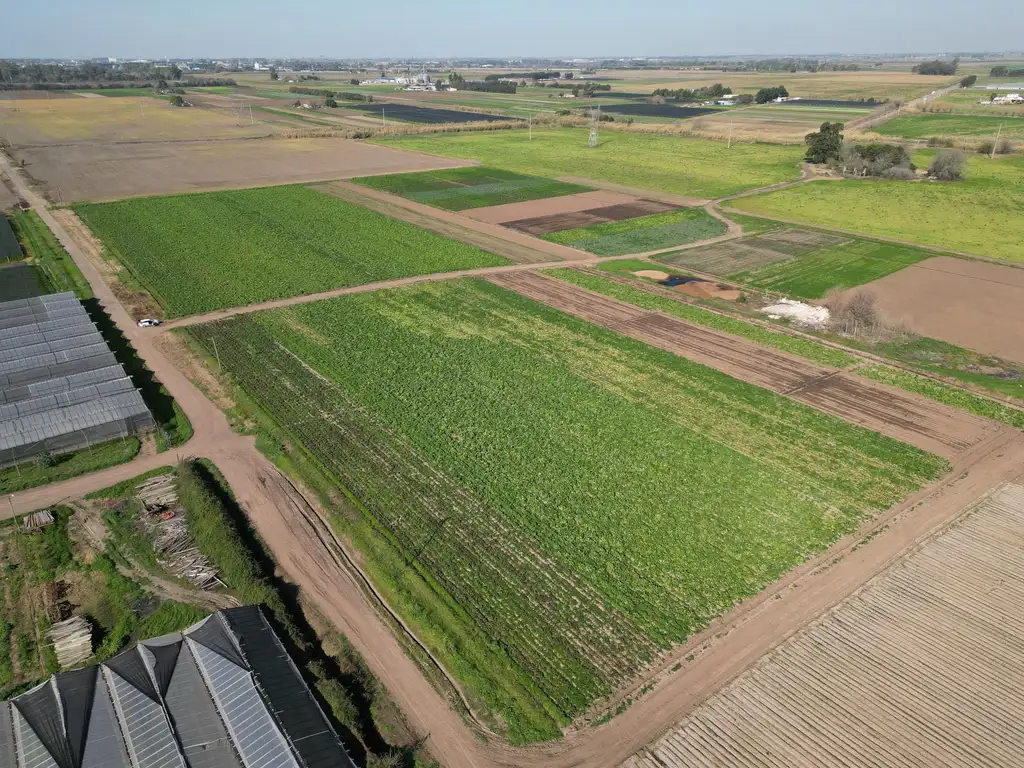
(111,171)
(971,304)
(531,209)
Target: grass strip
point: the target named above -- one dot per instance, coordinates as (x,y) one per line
(810,350)
(945,393)
(32,474)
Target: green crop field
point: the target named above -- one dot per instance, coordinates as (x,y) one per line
(645,233)
(681,165)
(458,189)
(848,265)
(196,253)
(923,126)
(982,215)
(550,504)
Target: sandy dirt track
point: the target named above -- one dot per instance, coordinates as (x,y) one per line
(548,206)
(969,303)
(924,423)
(111,171)
(924,666)
(723,651)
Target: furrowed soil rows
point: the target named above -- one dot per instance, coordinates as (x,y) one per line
(925,423)
(922,667)
(545,225)
(509,517)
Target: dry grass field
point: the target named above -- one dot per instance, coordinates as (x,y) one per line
(67,120)
(880,85)
(922,667)
(108,171)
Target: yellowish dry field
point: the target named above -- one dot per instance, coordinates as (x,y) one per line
(67,120)
(840,86)
(922,667)
(75,172)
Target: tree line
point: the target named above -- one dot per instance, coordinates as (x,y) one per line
(888,161)
(524,76)
(455,80)
(694,94)
(113,85)
(328,94)
(936,67)
(765,95)
(1002,71)
(90,72)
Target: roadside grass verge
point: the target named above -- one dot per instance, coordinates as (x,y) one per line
(200,252)
(945,393)
(58,272)
(637,296)
(460,189)
(681,165)
(32,474)
(981,215)
(644,233)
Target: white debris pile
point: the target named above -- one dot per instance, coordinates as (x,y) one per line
(800,313)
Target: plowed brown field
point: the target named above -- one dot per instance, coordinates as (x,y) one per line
(924,666)
(969,303)
(927,424)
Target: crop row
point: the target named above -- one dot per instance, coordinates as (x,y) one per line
(197,253)
(583,499)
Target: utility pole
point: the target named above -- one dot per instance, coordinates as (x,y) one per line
(251,121)
(729,146)
(995,144)
(383,119)
(530,119)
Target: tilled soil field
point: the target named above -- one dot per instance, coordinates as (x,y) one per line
(549,206)
(559,222)
(111,171)
(922,667)
(968,303)
(918,421)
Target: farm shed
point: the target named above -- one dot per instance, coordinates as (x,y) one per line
(222,694)
(61,389)
(10,249)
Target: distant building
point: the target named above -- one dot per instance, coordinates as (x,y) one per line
(222,694)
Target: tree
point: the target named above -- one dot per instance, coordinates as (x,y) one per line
(329,102)
(273,73)
(354,81)
(825,144)
(177,101)
(771,94)
(745,98)
(162,85)
(175,72)
(948,165)
(937,67)
(968,81)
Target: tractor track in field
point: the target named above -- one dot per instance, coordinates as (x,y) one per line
(730,645)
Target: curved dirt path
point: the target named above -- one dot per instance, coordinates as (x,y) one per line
(301,544)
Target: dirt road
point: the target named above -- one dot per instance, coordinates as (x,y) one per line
(302,545)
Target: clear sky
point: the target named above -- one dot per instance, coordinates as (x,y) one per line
(466,28)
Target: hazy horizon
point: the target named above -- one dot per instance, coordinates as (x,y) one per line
(532,29)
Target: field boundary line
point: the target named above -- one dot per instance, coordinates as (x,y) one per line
(328,536)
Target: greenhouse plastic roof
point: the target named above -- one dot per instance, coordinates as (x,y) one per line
(58,376)
(222,694)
